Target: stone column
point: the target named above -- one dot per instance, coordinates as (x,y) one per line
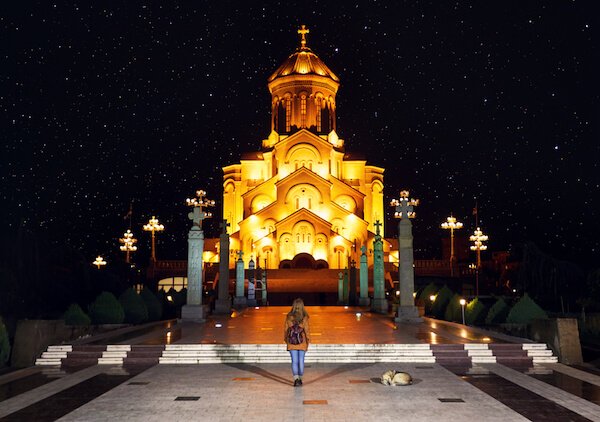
(264,286)
(352,300)
(223,305)
(364,278)
(340,288)
(407,311)
(251,283)
(346,286)
(380,303)
(239,300)
(193,310)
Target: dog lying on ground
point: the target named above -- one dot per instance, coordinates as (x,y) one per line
(395,378)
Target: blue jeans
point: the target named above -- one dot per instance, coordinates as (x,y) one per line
(297,362)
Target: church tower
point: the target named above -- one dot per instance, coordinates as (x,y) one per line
(302,201)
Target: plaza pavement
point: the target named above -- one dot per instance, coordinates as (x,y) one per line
(331,391)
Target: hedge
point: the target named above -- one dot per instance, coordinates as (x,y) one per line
(134,307)
(453,309)
(475,312)
(524,311)
(74,315)
(106,309)
(4,344)
(497,313)
(430,289)
(441,302)
(152,304)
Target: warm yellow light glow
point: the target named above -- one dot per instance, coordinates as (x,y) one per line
(404,207)
(153,225)
(99,262)
(462,302)
(432,298)
(451,224)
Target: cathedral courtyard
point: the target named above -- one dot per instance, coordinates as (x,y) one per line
(458,372)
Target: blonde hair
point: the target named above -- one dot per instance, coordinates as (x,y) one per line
(298,313)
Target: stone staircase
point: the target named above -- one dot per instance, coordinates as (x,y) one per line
(514,354)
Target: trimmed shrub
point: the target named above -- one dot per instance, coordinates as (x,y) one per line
(497,313)
(133,306)
(438,308)
(524,311)
(152,304)
(429,290)
(475,312)
(453,309)
(74,315)
(4,344)
(106,309)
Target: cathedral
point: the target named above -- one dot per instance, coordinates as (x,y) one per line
(303,201)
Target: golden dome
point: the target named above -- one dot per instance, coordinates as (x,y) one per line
(303,62)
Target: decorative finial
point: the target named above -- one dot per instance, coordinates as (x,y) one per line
(303,31)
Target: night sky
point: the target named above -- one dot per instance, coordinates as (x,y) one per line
(125,101)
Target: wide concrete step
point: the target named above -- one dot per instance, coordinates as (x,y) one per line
(452,354)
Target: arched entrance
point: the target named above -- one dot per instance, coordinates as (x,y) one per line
(303,261)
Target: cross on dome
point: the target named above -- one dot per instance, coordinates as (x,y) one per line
(303,31)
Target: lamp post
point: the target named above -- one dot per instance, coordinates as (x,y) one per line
(478,238)
(462,305)
(451,224)
(193,309)
(153,226)
(99,262)
(128,244)
(404,210)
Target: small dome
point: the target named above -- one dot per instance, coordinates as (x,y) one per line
(303,62)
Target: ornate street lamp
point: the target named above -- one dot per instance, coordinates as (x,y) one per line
(451,224)
(153,226)
(128,244)
(404,211)
(198,203)
(404,205)
(99,262)
(478,238)
(193,310)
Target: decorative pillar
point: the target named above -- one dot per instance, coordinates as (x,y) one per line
(239,300)
(193,310)
(264,284)
(364,278)
(352,284)
(251,282)
(340,288)
(346,287)
(407,311)
(223,305)
(380,303)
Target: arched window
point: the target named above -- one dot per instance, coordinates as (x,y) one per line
(303,111)
(281,116)
(318,114)
(288,114)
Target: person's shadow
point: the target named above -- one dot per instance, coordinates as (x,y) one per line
(274,377)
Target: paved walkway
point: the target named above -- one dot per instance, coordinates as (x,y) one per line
(264,392)
(329,325)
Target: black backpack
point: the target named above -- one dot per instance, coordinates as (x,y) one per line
(295,334)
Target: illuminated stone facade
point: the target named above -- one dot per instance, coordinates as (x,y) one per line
(302,201)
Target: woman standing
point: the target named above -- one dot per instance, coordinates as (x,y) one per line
(297,336)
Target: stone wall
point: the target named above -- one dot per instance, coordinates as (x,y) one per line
(561,335)
(33,337)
